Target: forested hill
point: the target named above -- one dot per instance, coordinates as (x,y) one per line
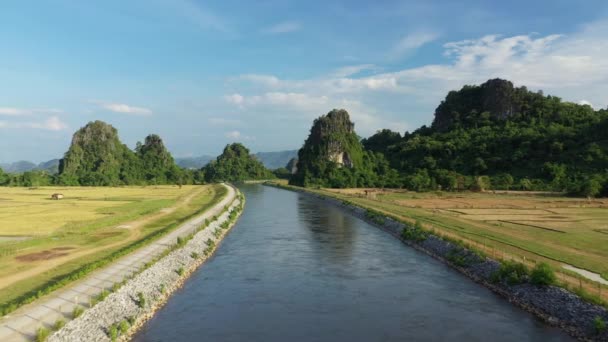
(97,157)
(497,135)
(235,164)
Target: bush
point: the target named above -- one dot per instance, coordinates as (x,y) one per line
(416,233)
(180,241)
(375,217)
(162,289)
(42,334)
(511,272)
(599,325)
(180,271)
(123,326)
(131,320)
(194,255)
(542,275)
(78,310)
(113,332)
(141,300)
(457,257)
(58,324)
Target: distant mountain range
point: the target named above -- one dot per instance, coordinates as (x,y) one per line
(275,160)
(52,166)
(271,160)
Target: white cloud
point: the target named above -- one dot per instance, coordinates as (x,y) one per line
(352,70)
(238,136)
(283,27)
(412,42)
(51,124)
(236,99)
(123,108)
(573,67)
(12,111)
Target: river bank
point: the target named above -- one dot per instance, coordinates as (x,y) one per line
(552,304)
(122,312)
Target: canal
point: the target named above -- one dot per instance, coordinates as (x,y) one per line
(297,269)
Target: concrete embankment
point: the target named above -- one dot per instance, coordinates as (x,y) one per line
(138,299)
(554,305)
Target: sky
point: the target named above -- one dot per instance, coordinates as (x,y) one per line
(203,74)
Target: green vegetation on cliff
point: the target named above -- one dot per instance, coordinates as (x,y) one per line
(332,156)
(498,136)
(235,164)
(97,157)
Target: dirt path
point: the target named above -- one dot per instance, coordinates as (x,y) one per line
(22,324)
(134,234)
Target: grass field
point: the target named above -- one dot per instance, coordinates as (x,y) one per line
(41,238)
(526,227)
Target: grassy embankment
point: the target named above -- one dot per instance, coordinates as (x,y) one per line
(528,228)
(45,244)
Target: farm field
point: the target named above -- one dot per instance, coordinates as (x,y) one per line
(42,239)
(526,227)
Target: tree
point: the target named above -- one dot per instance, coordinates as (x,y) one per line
(235,164)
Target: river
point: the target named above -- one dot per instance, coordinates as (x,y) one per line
(297,269)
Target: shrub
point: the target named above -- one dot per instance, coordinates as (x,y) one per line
(58,324)
(194,255)
(115,287)
(123,326)
(180,241)
(180,271)
(42,334)
(77,311)
(542,275)
(113,332)
(599,325)
(141,300)
(131,320)
(416,233)
(456,256)
(510,272)
(162,289)
(375,217)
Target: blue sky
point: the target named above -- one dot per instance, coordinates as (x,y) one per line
(206,73)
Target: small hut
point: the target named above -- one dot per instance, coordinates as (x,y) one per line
(57,196)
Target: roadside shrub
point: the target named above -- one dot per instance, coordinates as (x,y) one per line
(180,271)
(194,255)
(58,324)
(180,241)
(42,334)
(599,325)
(123,326)
(131,320)
(511,272)
(210,242)
(415,234)
(116,286)
(141,300)
(542,275)
(162,289)
(78,310)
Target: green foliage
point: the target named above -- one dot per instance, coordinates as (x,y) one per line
(333,156)
(599,325)
(113,332)
(235,164)
(511,272)
(194,255)
(141,300)
(415,233)
(180,271)
(375,217)
(457,257)
(123,326)
(542,275)
(42,334)
(58,324)
(77,311)
(516,138)
(97,157)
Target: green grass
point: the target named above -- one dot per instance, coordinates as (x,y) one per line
(28,290)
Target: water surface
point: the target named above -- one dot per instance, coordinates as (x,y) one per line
(297,269)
